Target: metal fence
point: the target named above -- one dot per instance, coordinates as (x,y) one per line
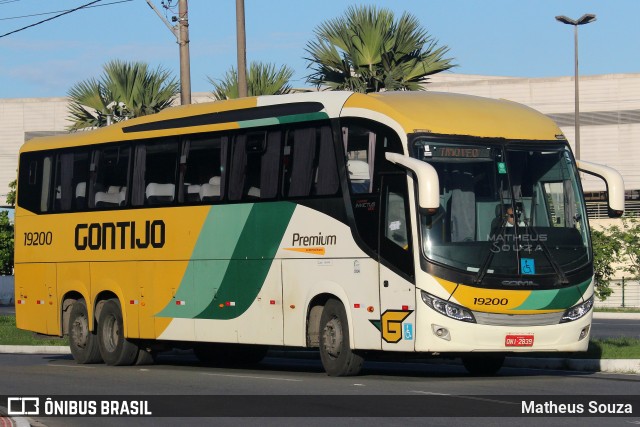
(626,293)
(598,210)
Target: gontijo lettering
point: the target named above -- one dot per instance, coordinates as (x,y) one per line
(120,235)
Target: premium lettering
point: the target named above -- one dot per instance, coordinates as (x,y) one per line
(120,235)
(318,240)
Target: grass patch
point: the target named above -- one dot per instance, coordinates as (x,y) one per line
(10,335)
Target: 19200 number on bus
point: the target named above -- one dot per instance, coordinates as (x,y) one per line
(490,301)
(41,238)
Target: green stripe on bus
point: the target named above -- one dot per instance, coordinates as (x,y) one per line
(251,260)
(554,299)
(209,261)
(293,118)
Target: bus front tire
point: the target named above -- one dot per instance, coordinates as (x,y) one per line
(115,349)
(337,357)
(483,366)
(82,342)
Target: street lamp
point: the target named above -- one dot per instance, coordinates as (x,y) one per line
(584,19)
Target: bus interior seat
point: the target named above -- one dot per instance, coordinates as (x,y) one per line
(254,192)
(81,195)
(210,191)
(193,192)
(159,194)
(112,198)
(359,175)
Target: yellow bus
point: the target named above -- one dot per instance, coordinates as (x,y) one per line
(408,222)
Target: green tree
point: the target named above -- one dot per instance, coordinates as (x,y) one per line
(369,50)
(606,250)
(125,90)
(629,237)
(262,79)
(6,244)
(11,195)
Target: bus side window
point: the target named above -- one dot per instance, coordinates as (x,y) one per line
(204,173)
(108,177)
(34,181)
(310,166)
(255,165)
(154,173)
(71,180)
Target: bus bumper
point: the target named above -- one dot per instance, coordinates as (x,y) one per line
(442,334)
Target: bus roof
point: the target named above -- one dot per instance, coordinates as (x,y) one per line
(423,111)
(457,114)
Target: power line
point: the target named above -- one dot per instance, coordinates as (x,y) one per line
(50,19)
(58,11)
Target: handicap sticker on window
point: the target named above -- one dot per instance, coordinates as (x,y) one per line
(407,331)
(527,266)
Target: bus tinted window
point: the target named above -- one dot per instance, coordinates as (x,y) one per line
(309,163)
(255,165)
(72,174)
(108,182)
(204,160)
(154,174)
(34,181)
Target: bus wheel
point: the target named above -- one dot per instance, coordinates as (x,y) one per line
(114,347)
(82,342)
(485,365)
(337,357)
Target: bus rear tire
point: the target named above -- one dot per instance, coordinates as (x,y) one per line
(483,366)
(337,357)
(82,342)
(115,349)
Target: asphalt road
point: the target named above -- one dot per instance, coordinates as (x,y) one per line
(382,383)
(605,328)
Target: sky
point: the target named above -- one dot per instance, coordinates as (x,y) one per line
(517,38)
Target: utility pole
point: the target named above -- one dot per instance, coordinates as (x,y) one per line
(183,41)
(242,50)
(181,33)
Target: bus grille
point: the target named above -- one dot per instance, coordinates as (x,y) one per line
(494,319)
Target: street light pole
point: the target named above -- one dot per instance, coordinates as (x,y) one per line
(242,50)
(181,33)
(584,19)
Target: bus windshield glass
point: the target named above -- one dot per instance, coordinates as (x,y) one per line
(507,208)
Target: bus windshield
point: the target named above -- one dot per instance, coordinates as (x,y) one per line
(506,208)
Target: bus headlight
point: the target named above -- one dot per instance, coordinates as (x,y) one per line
(577,311)
(447,308)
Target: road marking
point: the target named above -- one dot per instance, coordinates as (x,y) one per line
(465,397)
(253,377)
(72,366)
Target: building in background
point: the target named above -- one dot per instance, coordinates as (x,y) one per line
(609,114)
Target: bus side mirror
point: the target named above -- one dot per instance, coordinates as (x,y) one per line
(614,183)
(427,177)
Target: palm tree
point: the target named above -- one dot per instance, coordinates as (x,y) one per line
(262,79)
(368,50)
(124,91)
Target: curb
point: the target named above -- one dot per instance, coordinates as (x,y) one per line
(627,366)
(608,315)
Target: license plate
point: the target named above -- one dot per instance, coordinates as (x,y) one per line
(518,341)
